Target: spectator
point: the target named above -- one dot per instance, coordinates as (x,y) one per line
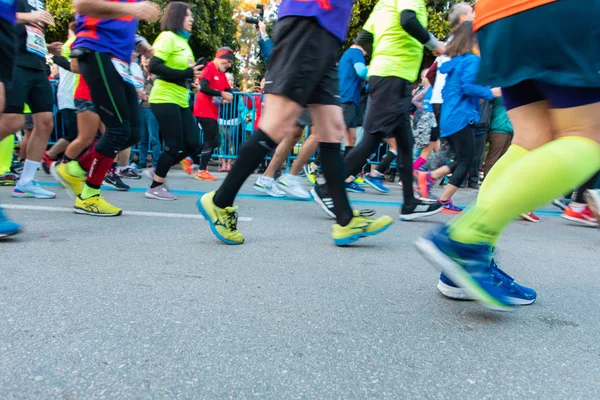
(214,90)
(230,123)
(265,44)
(500,136)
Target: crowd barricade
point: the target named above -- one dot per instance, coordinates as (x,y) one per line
(237,121)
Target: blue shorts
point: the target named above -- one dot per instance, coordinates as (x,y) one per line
(531,91)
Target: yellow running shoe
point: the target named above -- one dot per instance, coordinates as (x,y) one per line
(362,225)
(223,221)
(73,184)
(96,206)
(360,181)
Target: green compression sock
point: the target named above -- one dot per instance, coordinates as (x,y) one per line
(540,176)
(7,145)
(74,169)
(88,192)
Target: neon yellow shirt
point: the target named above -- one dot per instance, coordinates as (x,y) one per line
(395,52)
(177,54)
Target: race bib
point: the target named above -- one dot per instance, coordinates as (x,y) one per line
(36,42)
(123,69)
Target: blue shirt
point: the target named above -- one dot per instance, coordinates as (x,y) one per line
(333,15)
(8,8)
(112,36)
(427,107)
(349,81)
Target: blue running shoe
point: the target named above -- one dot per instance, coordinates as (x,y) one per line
(467,265)
(7,227)
(354,188)
(376,182)
(519,295)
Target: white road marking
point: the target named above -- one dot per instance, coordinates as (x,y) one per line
(125,212)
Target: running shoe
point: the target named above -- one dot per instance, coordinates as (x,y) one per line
(223,221)
(268,186)
(310,174)
(7,227)
(186,164)
(160,192)
(376,182)
(129,173)
(361,225)
(580,214)
(468,266)
(16,167)
(424,184)
(9,179)
(96,206)
(73,184)
(47,162)
(518,295)
(32,190)
(205,176)
(449,207)
(292,186)
(420,208)
(354,188)
(321,196)
(592,198)
(112,178)
(561,202)
(530,216)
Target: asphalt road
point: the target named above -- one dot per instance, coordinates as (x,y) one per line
(151,305)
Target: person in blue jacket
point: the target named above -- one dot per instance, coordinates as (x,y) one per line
(460,113)
(265,43)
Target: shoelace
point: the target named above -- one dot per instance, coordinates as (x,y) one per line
(367,212)
(231,220)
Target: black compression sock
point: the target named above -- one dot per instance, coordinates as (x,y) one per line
(386,161)
(332,165)
(406,177)
(155,184)
(250,156)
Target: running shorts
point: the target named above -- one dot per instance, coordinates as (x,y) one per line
(350,111)
(29,86)
(388,106)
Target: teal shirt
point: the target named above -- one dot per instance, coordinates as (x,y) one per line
(500,122)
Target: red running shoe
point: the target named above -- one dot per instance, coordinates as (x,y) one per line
(583,217)
(47,162)
(530,216)
(186,164)
(424,184)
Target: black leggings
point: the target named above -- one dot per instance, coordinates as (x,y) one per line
(210,127)
(435,131)
(179,133)
(115,101)
(480,141)
(463,144)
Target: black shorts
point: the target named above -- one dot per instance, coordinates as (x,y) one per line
(69,124)
(388,108)
(29,86)
(7,52)
(303,62)
(350,115)
(305,119)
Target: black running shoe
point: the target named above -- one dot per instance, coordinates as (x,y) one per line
(420,208)
(113,179)
(323,199)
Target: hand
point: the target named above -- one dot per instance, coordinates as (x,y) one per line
(140,94)
(146,11)
(195,87)
(145,49)
(262,27)
(497,92)
(227,97)
(440,49)
(55,48)
(197,70)
(41,16)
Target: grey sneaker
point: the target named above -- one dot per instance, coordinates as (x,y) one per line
(160,192)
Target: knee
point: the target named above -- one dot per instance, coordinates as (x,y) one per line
(175,153)
(43,123)
(334,132)
(115,139)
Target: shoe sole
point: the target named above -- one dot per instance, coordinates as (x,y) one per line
(81,211)
(410,217)
(354,238)
(266,191)
(151,196)
(213,228)
(6,235)
(132,178)
(582,222)
(355,191)
(31,196)
(458,275)
(62,182)
(456,293)
(378,188)
(526,217)
(318,200)
(592,199)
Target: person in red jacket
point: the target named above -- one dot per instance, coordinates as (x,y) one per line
(214,90)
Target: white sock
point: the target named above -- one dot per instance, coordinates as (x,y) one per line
(29,169)
(267,178)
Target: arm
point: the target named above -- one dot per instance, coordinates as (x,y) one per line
(205,88)
(361,70)
(418,99)
(266,47)
(158,67)
(412,26)
(432,73)
(467,81)
(62,62)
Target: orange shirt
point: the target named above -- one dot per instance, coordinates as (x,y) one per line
(488,11)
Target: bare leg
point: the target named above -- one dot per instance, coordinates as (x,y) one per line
(282,151)
(308,149)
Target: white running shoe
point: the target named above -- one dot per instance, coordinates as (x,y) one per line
(33,190)
(292,185)
(268,186)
